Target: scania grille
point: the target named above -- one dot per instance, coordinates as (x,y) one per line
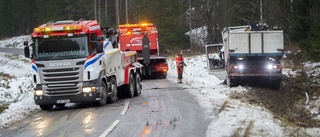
(62,81)
(62,89)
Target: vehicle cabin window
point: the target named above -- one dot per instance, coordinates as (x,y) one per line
(93,37)
(93,48)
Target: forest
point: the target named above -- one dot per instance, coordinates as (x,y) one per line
(299,19)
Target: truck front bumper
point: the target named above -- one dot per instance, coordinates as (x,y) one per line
(256,75)
(79,98)
(268,76)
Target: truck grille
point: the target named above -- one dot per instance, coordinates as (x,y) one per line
(61,81)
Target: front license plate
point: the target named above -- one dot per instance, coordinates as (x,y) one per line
(63,101)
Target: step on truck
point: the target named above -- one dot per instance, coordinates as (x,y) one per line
(143,38)
(247,55)
(77,61)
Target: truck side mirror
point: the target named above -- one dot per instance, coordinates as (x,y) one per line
(25,43)
(26,49)
(98,46)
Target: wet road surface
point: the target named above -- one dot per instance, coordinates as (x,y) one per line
(164,109)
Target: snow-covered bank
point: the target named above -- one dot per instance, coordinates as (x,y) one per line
(15,42)
(230,117)
(15,88)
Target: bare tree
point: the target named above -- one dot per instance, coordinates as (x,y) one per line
(95,9)
(117,12)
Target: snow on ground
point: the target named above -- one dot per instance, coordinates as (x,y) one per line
(230,117)
(15,88)
(15,42)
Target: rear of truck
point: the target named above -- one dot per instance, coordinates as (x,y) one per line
(254,56)
(143,38)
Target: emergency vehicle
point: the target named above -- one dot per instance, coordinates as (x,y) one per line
(73,61)
(143,38)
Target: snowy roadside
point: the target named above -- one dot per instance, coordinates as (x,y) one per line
(15,88)
(230,117)
(15,42)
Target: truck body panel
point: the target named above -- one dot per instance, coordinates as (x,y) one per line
(255,43)
(133,42)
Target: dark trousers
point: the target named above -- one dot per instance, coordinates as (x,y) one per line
(180,72)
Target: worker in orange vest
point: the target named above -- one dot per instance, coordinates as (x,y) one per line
(180,64)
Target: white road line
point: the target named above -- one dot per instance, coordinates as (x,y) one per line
(125,108)
(113,125)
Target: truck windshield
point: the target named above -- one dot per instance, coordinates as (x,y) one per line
(60,48)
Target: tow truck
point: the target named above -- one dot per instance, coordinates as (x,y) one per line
(143,38)
(73,61)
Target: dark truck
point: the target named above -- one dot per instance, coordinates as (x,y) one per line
(247,55)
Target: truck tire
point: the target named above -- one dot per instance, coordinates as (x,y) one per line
(46,107)
(138,87)
(103,95)
(129,88)
(275,84)
(164,77)
(113,94)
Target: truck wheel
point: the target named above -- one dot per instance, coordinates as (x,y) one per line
(137,90)
(275,84)
(113,91)
(103,95)
(46,107)
(129,89)
(60,105)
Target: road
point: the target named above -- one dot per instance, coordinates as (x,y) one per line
(164,109)
(12,50)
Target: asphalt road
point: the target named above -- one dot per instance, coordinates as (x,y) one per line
(164,109)
(12,50)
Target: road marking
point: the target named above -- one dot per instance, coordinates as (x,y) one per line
(113,125)
(125,108)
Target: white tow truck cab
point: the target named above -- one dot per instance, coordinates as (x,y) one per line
(73,62)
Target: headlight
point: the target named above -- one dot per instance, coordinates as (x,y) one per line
(38,92)
(88,89)
(272,66)
(241,66)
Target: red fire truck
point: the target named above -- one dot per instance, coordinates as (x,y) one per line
(143,38)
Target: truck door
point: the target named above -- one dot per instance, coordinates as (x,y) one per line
(215,60)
